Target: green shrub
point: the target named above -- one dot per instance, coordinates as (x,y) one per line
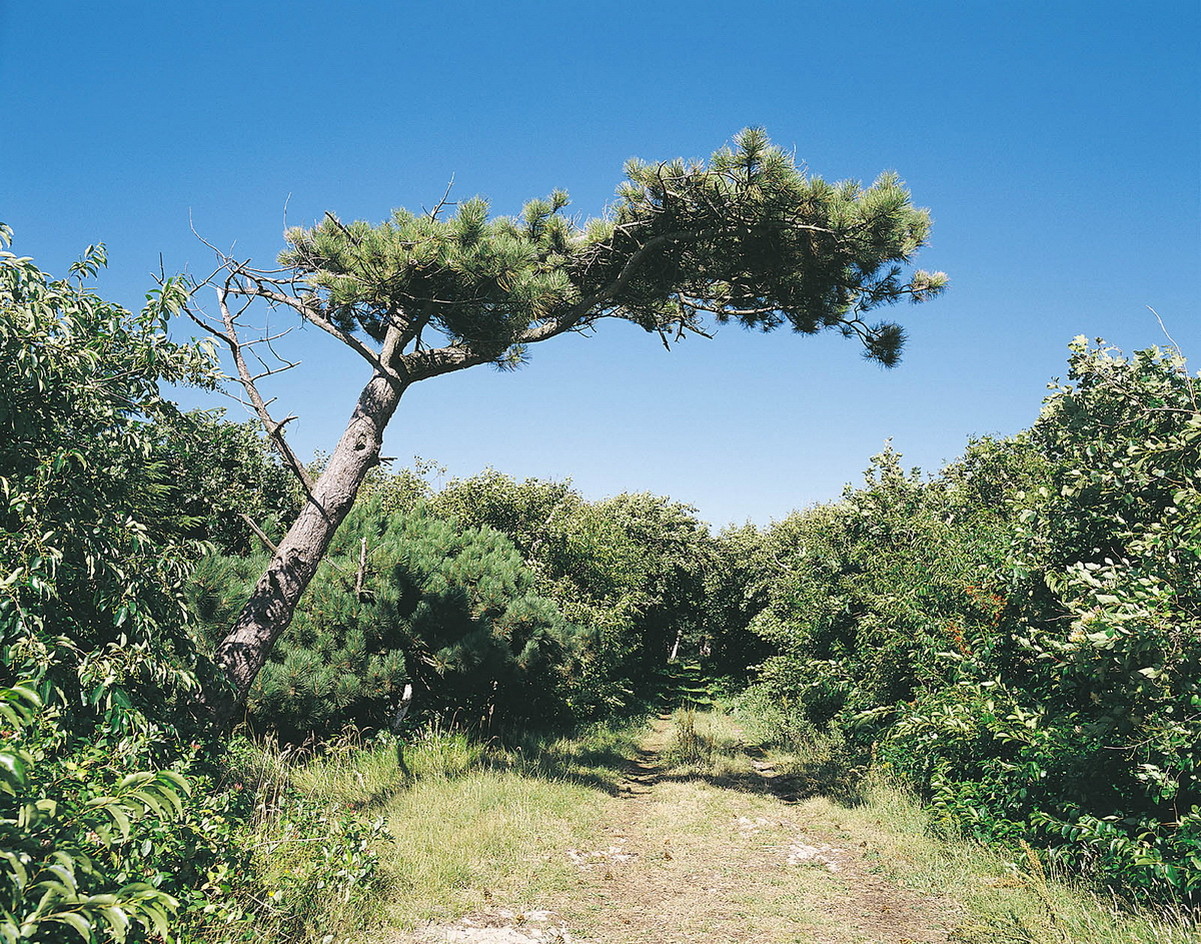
(73,848)
(98,666)
(630,570)
(405,597)
(115,821)
(1021,635)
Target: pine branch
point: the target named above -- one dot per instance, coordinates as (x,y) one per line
(314,316)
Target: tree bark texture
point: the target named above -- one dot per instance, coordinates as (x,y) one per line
(268,612)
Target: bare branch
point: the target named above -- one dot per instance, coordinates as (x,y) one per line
(417,328)
(362,571)
(204,325)
(1188,378)
(445,201)
(393,344)
(227,261)
(259,533)
(421,365)
(697,304)
(311,315)
(248,381)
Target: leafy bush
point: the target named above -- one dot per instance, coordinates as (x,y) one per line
(225,481)
(630,570)
(71,847)
(114,821)
(92,544)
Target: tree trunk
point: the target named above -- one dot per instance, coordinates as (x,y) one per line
(675,649)
(268,612)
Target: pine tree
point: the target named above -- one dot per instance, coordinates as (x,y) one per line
(747,238)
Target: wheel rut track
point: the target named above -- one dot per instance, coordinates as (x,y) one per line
(677,862)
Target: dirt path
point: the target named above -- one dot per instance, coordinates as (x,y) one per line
(687,859)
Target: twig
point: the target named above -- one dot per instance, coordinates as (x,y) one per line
(259,533)
(1188,378)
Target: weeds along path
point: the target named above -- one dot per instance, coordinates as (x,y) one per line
(716,848)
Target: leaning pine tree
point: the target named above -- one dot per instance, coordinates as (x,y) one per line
(747,237)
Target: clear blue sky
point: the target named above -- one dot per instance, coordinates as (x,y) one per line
(1057,144)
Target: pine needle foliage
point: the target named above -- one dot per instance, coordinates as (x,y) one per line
(746,237)
(404,597)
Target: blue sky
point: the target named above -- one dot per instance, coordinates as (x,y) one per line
(1056,143)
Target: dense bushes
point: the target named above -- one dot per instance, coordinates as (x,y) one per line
(115,822)
(92,541)
(225,484)
(489,595)
(97,668)
(1021,635)
(629,570)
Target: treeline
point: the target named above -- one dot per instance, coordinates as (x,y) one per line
(1016,636)
(503,603)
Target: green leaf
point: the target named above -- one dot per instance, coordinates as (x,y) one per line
(135,779)
(150,800)
(13,771)
(117,921)
(66,874)
(75,920)
(121,818)
(54,890)
(9,931)
(20,875)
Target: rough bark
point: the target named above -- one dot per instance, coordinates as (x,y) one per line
(268,611)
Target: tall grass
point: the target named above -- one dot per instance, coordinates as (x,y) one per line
(466,824)
(479,825)
(1001,896)
(689,747)
(312,872)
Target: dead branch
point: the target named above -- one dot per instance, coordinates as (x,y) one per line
(248,380)
(445,201)
(311,314)
(259,533)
